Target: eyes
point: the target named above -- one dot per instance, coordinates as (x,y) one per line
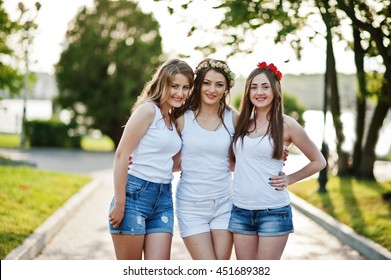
(176,86)
(262,87)
(218,84)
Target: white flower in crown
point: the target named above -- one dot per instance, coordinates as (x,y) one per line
(218,65)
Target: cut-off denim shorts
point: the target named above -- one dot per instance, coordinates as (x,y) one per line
(266,222)
(148,209)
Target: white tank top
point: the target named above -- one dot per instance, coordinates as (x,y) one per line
(253,168)
(152,158)
(205,161)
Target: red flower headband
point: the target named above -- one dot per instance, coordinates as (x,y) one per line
(272,68)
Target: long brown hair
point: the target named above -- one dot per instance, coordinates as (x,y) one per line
(194,101)
(275,115)
(157,89)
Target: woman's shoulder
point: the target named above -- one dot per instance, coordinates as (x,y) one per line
(146,109)
(289,120)
(149,106)
(291,125)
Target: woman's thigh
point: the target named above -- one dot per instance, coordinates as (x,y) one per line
(200,246)
(271,248)
(222,243)
(157,246)
(246,246)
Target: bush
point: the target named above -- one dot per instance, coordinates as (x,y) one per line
(293,108)
(52,133)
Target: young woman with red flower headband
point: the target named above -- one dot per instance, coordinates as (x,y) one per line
(261,216)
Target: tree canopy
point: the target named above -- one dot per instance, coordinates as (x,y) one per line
(10,78)
(111,52)
(292,23)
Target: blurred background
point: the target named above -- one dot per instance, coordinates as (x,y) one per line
(70,71)
(75,67)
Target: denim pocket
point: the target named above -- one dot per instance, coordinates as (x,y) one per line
(279,211)
(135,186)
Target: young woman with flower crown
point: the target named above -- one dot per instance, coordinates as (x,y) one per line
(141,213)
(261,216)
(204,191)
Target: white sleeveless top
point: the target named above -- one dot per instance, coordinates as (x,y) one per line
(253,168)
(152,158)
(205,161)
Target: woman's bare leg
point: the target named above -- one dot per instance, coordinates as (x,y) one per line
(271,248)
(246,246)
(200,246)
(128,247)
(222,243)
(157,246)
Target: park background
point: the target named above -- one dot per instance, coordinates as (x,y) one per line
(44,46)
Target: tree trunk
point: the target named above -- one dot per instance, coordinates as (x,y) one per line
(343,167)
(362,93)
(368,158)
(325,11)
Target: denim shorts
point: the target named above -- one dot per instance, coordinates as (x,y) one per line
(148,208)
(267,222)
(196,217)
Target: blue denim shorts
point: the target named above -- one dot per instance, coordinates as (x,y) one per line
(148,209)
(267,222)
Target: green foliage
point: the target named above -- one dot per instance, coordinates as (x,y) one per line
(236,101)
(293,108)
(292,22)
(52,133)
(112,51)
(10,78)
(375,82)
(362,205)
(246,16)
(28,197)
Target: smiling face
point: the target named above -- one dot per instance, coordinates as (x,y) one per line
(261,92)
(213,88)
(178,91)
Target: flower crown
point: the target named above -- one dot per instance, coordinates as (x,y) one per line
(220,65)
(272,68)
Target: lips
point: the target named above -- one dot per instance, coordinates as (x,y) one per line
(211,96)
(178,99)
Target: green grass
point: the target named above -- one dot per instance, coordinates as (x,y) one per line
(9,140)
(88,143)
(364,205)
(102,144)
(27,198)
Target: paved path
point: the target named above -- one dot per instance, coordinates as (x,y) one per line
(85,234)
